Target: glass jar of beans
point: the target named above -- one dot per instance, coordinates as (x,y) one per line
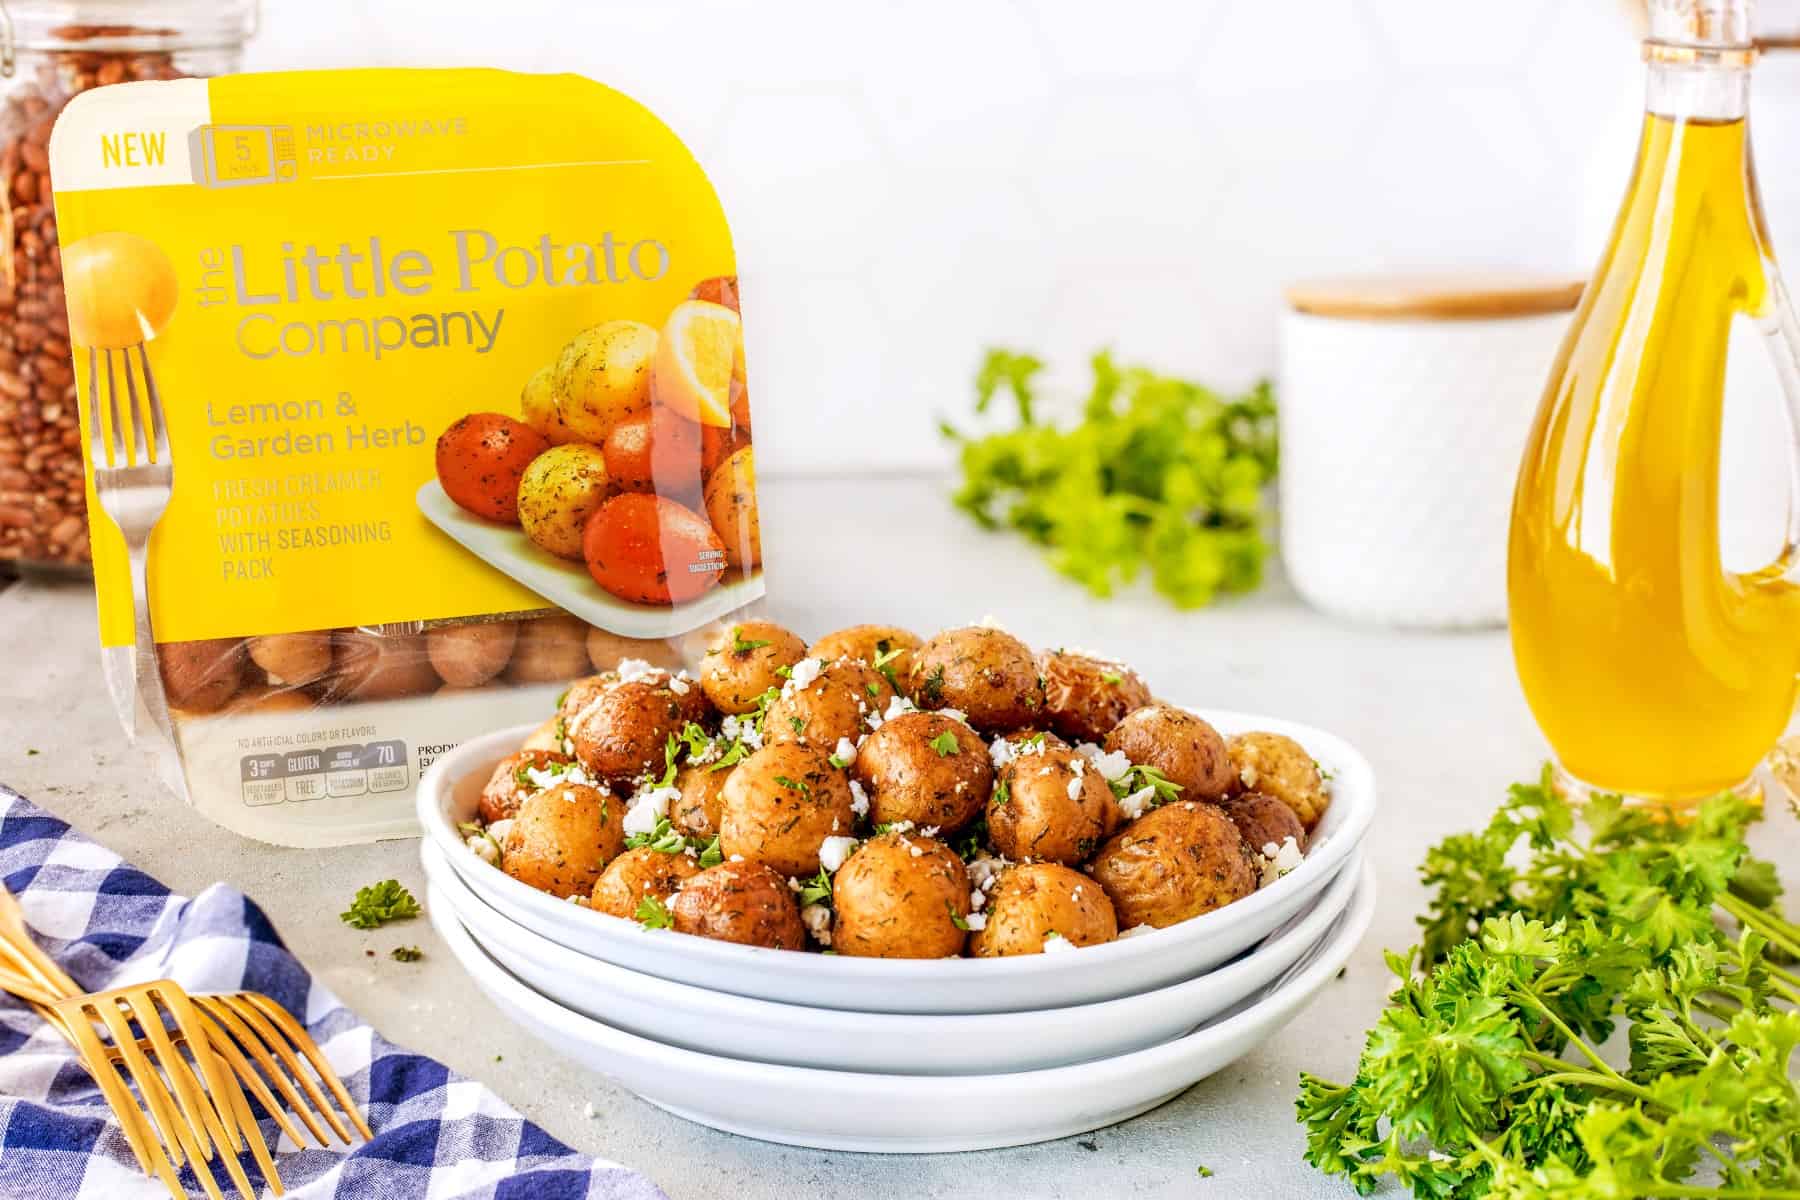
(50,51)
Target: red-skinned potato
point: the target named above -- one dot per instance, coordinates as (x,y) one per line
(651,550)
(480,460)
(658,452)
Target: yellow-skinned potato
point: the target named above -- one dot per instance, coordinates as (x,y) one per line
(1032,901)
(900,896)
(696,812)
(293,658)
(1085,697)
(1182,746)
(889,645)
(1052,805)
(1172,863)
(201,676)
(731,507)
(603,377)
(835,703)
(537,405)
(562,838)
(984,672)
(558,493)
(742,902)
(780,804)
(1278,766)
(470,655)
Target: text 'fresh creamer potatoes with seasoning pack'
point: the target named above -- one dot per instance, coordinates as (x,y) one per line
(425,391)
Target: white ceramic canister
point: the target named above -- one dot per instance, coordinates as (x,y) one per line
(1405,404)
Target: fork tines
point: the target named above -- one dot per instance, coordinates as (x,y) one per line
(136,434)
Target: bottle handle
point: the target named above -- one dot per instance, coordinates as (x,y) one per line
(1781,329)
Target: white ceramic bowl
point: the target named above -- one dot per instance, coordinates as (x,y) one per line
(849,1110)
(895,1043)
(450,788)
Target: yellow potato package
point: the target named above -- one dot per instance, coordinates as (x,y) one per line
(409,397)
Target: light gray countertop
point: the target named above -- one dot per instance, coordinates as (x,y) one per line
(1439,715)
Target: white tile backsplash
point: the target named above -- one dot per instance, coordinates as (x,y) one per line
(911,180)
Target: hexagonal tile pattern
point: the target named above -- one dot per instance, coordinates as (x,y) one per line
(1456,35)
(958,85)
(1123,39)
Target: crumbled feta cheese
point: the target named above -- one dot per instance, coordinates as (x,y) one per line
(587,1110)
(546,777)
(990,621)
(499,829)
(929,831)
(1137,931)
(802,674)
(976,922)
(1137,803)
(1002,752)
(1279,860)
(846,751)
(901,827)
(1077,769)
(977,899)
(1056,943)
(984,870)
(834,850)
(1248,775)
(955,714)
(1076,894)
(817,919)
(649,806)
(742,729)
(859,799)
(631,670)
(737,858)
(1112,764)
(483,848)
(678,685)
(916,851)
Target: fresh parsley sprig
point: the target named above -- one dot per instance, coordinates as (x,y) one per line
(378,904)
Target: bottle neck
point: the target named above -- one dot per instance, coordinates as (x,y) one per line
(1698,91)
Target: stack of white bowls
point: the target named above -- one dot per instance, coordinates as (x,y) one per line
(903,1056)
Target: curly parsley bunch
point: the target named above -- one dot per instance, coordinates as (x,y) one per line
(1160,473)
(1485,1076)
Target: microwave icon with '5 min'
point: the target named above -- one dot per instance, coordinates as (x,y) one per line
(236,155)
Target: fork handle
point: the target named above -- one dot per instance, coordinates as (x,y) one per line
(149,674)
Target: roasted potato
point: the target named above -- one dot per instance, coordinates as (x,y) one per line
(639,873)
(927,768)
(509,784)
(887,647)
(1051,806)
(1180,745)
(560,490)
(1264,821)
(1086,696)
(731,507)
(900,896)
(744,661)
(537,405)
(1278,766)
(1030,902)
(562,838)
(696,811)
(549,650)
(1172,863)
(471,654)
(823,702)
(603,377)
(201,676)
(742,902)
(985,673)
(780,803)
(380,666)
(606,650)
(622,732)
(293,658)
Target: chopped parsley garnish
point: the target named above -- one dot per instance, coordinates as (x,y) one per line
(839,763)
(740,646)
(1002,793)
(931,692)
(970,843)
(956,918)
(378,904)
(794,785)
(816,889)
(785,672)
(873,690)
(653,914)
(799,724)
(664,839)
(946,744)
(1112,678)
(884,659)
(1140,777)
(711,855)
(563,696)
(734,754)
(1205,1171)
(406,954)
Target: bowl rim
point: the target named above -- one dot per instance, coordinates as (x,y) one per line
(1306,928)
(1296,986)
(1353,779)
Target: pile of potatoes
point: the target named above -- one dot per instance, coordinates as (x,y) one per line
(878,794)
(631,454)
(293,672)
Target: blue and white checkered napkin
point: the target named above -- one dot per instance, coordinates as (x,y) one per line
(438,1136)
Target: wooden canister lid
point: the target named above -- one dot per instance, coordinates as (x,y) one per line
(1447,297)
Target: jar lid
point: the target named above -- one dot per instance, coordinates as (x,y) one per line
(1435,297)
(127,25)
